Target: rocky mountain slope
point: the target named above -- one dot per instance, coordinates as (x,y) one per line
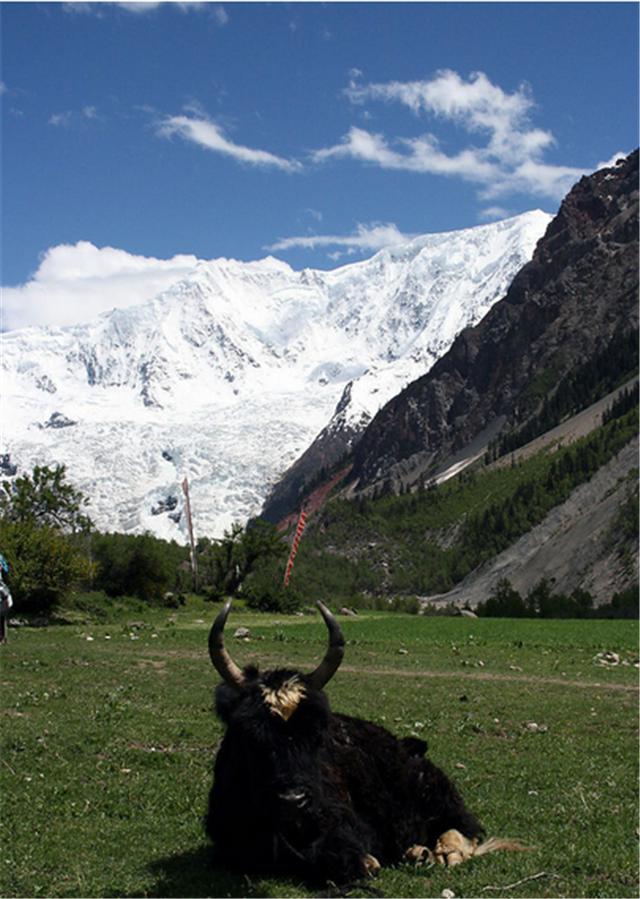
(579,291)
(554,362)
(229,375)
(579,544)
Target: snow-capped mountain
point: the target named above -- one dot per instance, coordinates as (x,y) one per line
(227,376)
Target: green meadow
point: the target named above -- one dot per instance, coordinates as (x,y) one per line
(108,738)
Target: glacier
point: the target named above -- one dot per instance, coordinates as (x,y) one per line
(228,375)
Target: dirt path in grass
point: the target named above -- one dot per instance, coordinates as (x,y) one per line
(263,658)
(485,675)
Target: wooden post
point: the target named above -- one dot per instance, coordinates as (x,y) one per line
(194,560)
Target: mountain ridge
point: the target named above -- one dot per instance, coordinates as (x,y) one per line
(580,287)
(227,376)
(555,362)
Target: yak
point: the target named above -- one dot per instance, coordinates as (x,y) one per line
(305,792)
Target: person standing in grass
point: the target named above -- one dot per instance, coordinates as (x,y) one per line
(5,599)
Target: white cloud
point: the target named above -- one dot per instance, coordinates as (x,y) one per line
(609,163)
(476,105)
(205,133)
(220,15)
(70,117)
(74,283)
(139,8)
(373,237)
(532,177)
(61,119)
(363,145)
(419,155)
(3,88)
(509,159)
(493,213)
(97,8)
(87,9)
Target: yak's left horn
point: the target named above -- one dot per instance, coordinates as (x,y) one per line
(335,651)
(222,661)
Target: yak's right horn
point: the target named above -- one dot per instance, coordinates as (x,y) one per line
(222,661)
(335,651)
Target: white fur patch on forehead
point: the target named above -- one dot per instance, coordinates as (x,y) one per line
(285,700)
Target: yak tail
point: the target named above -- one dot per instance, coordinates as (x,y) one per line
(495,844)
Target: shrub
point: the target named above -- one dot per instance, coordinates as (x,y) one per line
(504,602)
(264,591)
(226,563)
(141,566)
(44,565)
(623,605)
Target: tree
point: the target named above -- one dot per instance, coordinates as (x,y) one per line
(504,602)
(137,565)
(264,591)
(44,565)
(541,600)
(44,499)
(40,514)
(230,560)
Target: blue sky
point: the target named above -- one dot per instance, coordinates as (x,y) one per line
(316,132)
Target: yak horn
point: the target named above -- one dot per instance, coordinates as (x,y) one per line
(335,651)
(222,661)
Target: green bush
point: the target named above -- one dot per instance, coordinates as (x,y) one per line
(409,605)
(623,605)
(226,563)
(542,602)
(44,565)
(97,607)
(264,591)
(142,566)
(505,602)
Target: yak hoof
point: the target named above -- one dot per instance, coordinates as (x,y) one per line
(418,855)
(452,848)
(371,865)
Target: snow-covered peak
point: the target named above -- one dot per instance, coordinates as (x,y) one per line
(227,375)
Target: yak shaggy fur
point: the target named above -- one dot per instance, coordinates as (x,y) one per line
(302,791)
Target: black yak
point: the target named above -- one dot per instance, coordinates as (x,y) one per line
(303,791)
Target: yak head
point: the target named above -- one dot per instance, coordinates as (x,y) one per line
(276,719)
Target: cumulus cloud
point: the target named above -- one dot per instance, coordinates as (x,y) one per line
(507,153)
(200,130)
(74,283)
(373,237)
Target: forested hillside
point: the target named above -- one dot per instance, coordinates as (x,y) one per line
(426,541)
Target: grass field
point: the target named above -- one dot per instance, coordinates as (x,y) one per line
(108,738)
